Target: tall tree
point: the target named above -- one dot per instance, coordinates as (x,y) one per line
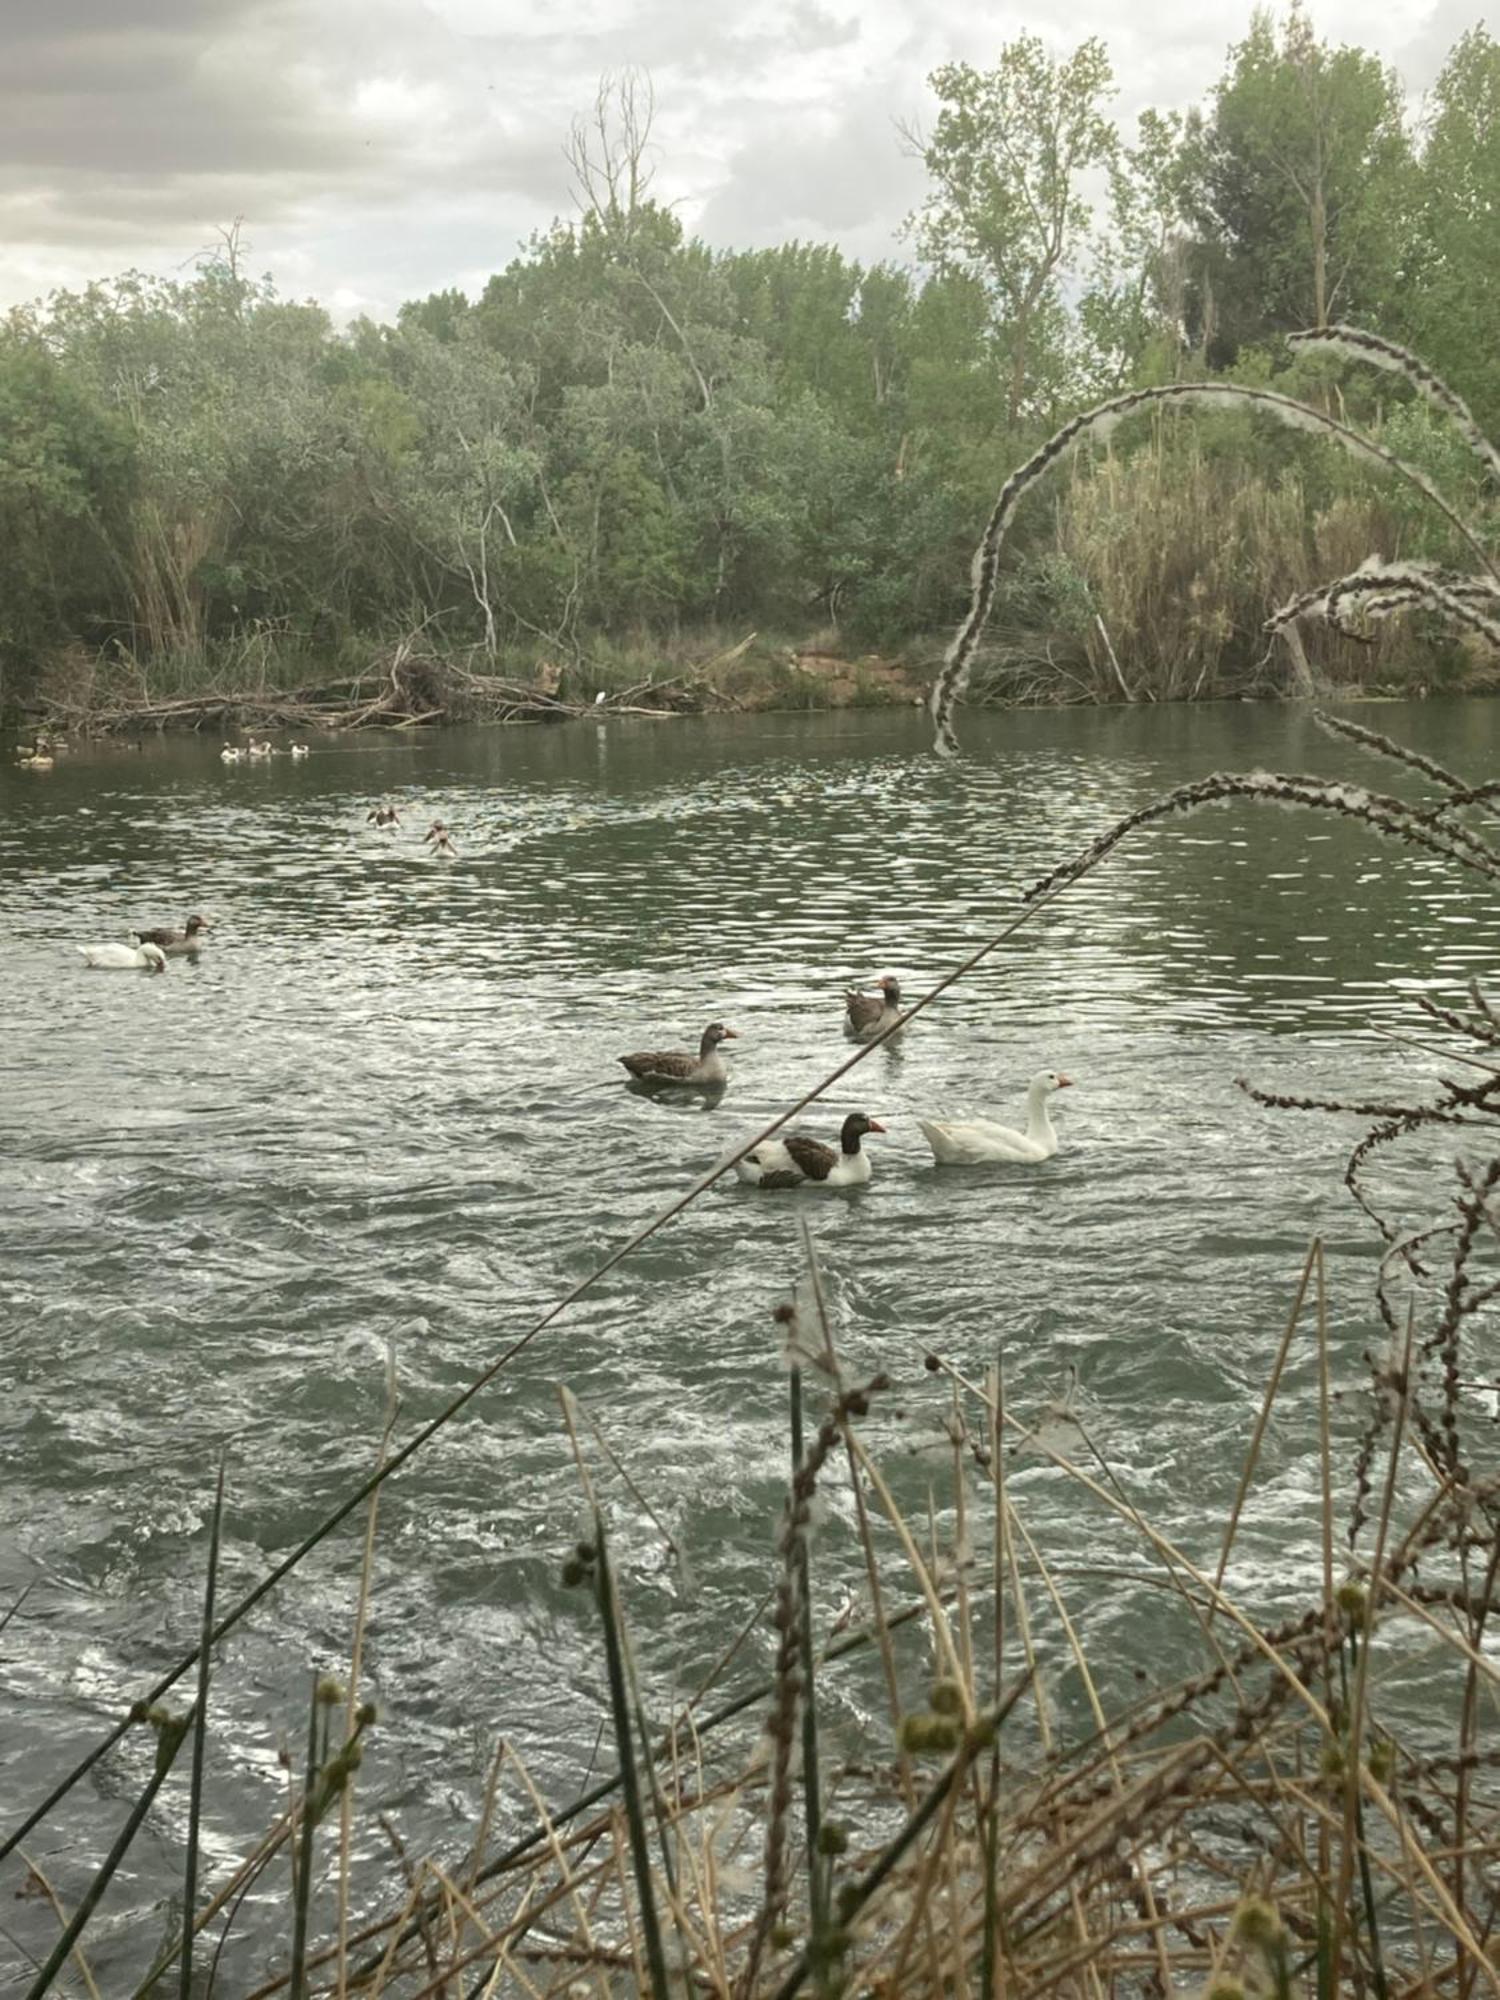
(1303,181)
(1009,149)
(1450,308)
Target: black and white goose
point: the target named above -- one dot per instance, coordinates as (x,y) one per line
(176,943)
(677,1066)
(869,1013)
(798,1162)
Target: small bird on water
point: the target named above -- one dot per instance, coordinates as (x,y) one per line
(176,943)
(867,1013)
(123,957)
(796,1162)
(677,1066)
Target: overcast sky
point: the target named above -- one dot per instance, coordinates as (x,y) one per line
(381,149)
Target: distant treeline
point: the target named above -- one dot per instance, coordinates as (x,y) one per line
(631,434)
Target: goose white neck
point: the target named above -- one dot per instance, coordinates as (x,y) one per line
(1038,1123)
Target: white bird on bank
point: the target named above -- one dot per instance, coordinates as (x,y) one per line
(123,957)
(976,1142)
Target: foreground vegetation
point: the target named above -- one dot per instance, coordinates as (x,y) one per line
(632,452)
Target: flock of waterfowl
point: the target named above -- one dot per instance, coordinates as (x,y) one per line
(793,1161)
(798,1161)
(253,753)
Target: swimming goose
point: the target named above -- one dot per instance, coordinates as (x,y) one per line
(299,750)
(260,750)
(231,754)
(869,1014)
(36,760)
(781,1163)
(677,1066)
(123,957)
(383,816)
(175,943)
(977,1141)
(440,840)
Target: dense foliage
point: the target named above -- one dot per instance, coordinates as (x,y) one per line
(630,432)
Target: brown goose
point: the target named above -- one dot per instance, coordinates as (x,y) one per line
(782,1163)
(677,1066)
(175,943)
(869,1013)
(439,839)
(383,816)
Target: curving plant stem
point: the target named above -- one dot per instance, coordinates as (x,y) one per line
(200,1739)
(1098,423)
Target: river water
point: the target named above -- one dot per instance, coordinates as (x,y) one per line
(381,1113)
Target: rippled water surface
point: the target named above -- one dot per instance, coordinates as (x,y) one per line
(381,1113)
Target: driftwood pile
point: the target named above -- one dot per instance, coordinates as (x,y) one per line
(409,687)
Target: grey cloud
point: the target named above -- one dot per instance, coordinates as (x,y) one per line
(806,173)
(379,148)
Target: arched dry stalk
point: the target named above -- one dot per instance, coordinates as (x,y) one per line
(1377,590)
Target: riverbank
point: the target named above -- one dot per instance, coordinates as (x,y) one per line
(259,683)
(413,682)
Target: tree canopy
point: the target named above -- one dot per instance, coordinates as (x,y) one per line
(630,430)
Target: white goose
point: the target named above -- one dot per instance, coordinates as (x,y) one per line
(123,957)
(975,1142)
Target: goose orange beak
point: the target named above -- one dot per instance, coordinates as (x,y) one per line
(876,1126)
(1064,1082)
(730,1035)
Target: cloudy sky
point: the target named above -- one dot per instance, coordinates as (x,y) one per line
(380,149)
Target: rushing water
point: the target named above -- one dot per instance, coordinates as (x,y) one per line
(381,1112)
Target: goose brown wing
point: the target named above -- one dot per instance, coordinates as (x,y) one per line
(864,1008)
(161,937)
(660,1062)
(815,1159)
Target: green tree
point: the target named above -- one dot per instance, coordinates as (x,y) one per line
(1303,177)
(1006,156)
(1449,310)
